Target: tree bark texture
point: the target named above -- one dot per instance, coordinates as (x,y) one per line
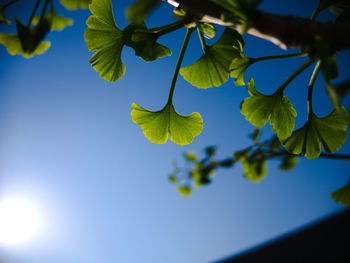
(285,31)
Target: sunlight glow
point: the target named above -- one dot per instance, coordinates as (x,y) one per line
(20,221)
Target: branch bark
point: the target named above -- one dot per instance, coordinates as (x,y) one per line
(285,31)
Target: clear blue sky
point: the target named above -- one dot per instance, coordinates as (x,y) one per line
(68,143)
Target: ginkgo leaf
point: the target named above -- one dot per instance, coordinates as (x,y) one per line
(212,68)
(259,108)
(342,195)
(254,170)
(138,11)
(158,125)
(75,4)
(3,19)
(330,131)
(239,65)
(31,38)
(13,45)
(106,38)
(143,41)
(58,22)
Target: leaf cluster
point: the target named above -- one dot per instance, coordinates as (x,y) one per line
(29,40)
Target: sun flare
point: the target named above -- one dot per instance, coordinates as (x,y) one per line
(20,221)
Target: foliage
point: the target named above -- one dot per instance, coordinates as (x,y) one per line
(219,61)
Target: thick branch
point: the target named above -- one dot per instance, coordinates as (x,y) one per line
(286,31)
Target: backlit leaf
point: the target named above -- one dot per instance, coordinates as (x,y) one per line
(254,170)
(260,108)
(13,45)
(239,65)
(158,125)
(207,29)
(143,41)
(212,68)
(58,23)
(75,4)
(330,131)
(342,195)
(106,38)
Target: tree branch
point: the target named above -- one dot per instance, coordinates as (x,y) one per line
(285,31)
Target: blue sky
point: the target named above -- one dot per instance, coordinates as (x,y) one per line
(67,143)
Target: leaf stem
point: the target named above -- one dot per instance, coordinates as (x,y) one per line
(294,75)
(10,3)
(311,87)
(167,28)
(33,12)
(44,10)
(178,63)
(295,55)
(202,40)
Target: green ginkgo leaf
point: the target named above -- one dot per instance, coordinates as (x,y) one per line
(138,11)
(158,125)
(254,170)
(106,38)
(259,108)
(3,19)
(342,195)
(330,131)
(239,65)
(212,68)
(75,4)
(13,45)
(58,22)
(143,41)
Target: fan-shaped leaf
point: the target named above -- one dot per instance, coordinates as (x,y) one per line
(75,4)
(158,125)
(106,38)
(342,195)
(143,41)
(259,108)
(330,131)
(58,22)
(212,68)
(30,38)
(13,45)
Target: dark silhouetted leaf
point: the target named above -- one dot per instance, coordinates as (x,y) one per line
(13,45)
(342,195)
